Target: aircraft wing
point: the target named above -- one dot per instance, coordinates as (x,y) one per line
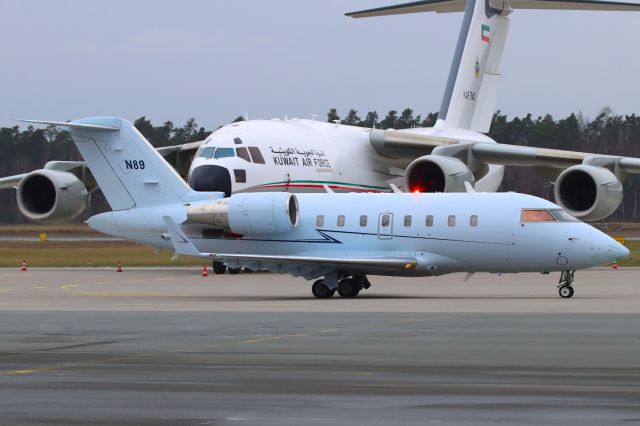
(187,147)
(11,181)
(307,266)
(397,142)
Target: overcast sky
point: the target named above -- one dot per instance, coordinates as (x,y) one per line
(215,60)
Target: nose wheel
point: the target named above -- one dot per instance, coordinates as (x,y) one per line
(565,288)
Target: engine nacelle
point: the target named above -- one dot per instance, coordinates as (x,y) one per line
(435,173)
(588,192)
(51,196)
(250,214)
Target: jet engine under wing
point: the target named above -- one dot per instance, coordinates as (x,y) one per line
(493,153)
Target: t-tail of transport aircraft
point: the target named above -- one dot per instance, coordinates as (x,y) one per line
(296,155)
(336,239)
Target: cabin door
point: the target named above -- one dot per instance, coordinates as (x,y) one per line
(385,226)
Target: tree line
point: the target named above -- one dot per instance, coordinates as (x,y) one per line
(27,149)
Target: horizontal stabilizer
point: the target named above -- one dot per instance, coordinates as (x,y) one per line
(566,5)
(448,6)
(438,6)
(74,125)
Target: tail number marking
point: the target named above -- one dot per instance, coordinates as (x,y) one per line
(134,164)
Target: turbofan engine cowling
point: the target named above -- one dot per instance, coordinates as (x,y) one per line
(250,214)
(588,192)
(435,173)
(51,196)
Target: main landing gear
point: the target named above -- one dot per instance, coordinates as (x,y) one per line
(348,286)
(565,288)
(220,268)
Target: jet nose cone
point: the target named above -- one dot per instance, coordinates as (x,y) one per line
(617,251)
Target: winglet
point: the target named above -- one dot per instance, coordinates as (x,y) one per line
(181,243)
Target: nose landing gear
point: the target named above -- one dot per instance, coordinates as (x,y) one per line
(565,288)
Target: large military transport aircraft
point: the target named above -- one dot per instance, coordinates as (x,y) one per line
(341,237)
(306,156)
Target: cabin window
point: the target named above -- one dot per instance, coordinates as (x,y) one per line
(241,175)
(320,221)
(256,155)
(386,219)
(473,220)
(537,215)
(363,220)
(243,153)
(224,152)
(407,220)
(207,152)
(429,221)
(451,221)
(341,220)
(237,141)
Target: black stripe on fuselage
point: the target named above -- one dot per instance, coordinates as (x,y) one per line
(327,239)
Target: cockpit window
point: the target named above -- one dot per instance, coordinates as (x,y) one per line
(224,152)
(256,155)
(563,216)
(207,152)
(537,215)
(243,153)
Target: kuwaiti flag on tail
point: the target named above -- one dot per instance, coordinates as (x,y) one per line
(486,30)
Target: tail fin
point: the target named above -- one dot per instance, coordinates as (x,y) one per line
(130,172)
(471,93)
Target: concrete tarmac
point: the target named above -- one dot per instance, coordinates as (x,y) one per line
(170,347)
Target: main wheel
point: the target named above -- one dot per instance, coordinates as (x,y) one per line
(219,268)
(321,291)
(234,271)
(348,288)
(566,291)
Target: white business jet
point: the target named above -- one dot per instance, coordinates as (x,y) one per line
(335,239)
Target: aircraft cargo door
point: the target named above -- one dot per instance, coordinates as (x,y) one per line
(385,226)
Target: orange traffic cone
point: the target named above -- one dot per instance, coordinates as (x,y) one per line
(204,270)
(24,266)
(119,269)
(615,265)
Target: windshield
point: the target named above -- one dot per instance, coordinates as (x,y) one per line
(207,152)
(544,215)
(224,152)
(563,216)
